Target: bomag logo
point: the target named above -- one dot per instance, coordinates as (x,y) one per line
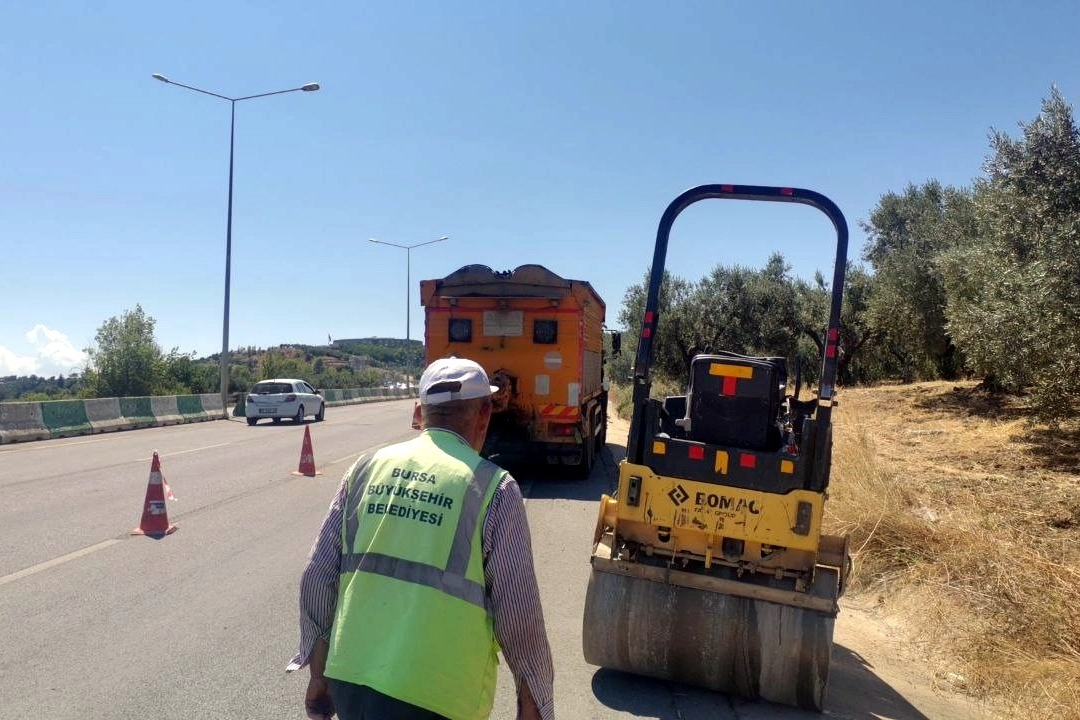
(678,495)
(723,502)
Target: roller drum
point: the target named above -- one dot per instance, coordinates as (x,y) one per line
(735,645)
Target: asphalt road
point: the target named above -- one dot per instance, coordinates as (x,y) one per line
(98,623)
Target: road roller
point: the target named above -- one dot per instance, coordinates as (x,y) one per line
(709,565)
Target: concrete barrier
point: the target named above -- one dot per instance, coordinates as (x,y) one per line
(211,405)
(27,421)
(354,396)
(137,411)
(21,421)
(165,410)
(190,408)
(104,415)
(64,418)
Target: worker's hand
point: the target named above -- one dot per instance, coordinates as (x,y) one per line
(317,702)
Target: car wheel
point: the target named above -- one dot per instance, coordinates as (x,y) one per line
(321,414)
(299,417)
(252,421)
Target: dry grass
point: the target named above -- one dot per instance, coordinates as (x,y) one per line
(966,521)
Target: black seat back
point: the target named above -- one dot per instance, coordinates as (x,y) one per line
(735,401)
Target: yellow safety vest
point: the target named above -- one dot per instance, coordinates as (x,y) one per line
(411,619)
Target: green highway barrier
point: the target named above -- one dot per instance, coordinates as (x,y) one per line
(137,411)
(42,420)
(65,418)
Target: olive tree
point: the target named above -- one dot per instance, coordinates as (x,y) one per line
(906,236)
(1014,290)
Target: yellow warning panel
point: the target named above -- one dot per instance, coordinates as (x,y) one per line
(736,371)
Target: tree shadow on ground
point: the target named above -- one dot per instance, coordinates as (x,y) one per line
(975,401)
(1053,447)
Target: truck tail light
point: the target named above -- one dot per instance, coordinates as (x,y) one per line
(561,429)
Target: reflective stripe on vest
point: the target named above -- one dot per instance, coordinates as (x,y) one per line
(452,580)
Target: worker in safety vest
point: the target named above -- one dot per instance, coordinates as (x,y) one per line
(422,571)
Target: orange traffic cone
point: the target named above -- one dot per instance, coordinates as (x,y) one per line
(307,457)
(155,518)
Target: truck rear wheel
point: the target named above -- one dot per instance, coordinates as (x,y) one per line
(588,458)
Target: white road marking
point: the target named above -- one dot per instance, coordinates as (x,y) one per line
(56,561)
(204,447)
(183,452)
(33,445)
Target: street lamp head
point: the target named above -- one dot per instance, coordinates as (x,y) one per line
(159,76)
(409,247)
(310,87)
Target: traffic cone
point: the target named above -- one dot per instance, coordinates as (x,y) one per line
(168,490)
(155,518)
(307,457)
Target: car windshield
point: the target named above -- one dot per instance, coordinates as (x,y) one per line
(271,388)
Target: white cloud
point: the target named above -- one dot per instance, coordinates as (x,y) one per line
(12,364)
(52,354)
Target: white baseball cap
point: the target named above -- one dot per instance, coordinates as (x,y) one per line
(454,378)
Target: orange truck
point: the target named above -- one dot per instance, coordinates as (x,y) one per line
(540,337)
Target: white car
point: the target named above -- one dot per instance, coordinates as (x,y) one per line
(283,398)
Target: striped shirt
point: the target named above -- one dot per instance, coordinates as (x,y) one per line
(512,593)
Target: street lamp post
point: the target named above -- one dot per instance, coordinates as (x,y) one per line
(408,253)
(309,87)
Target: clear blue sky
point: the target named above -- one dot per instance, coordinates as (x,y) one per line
(552,133)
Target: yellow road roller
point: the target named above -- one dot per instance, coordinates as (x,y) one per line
(709,566)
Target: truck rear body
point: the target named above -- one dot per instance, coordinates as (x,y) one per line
(540,338)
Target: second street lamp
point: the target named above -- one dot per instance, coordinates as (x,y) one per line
(408,251)
(224,360)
